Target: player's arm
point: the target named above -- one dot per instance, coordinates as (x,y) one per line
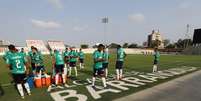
(26,63)
(125,54)
(96,59)
(53,62)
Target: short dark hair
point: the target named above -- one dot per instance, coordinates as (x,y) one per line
(118,46)
(101,45)
(11,47)
(32,47)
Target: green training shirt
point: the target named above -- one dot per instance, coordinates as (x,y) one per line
(17,62)
(97,55)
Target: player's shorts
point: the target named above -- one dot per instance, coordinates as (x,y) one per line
(81,60)
(33,66)
(66,60)
(19,78)
(59,68)
(72,64)
(119,64)
(40,68)
(99,72)
(105,65)
(155,62)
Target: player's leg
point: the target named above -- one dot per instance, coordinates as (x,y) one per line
(70,68)
(120,69)
(102,74)
(155,66)
(95,72)
(37,71)
(80,63)
(106,69)
(57,69)
(26,85)
(17,79)
(63,74)
(75,68)
(33,68)
(117,70)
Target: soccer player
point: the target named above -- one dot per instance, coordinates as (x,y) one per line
(58,66)
(156,60)
(38,58)
(73,59)
(66,57)
(32,60)
(23,52)
(17,62)
(105,63)
(81,58)
(120,61)
(7,53)
(98,65)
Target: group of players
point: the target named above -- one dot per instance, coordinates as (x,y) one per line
(62,62)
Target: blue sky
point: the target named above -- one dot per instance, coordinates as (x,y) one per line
(79,21)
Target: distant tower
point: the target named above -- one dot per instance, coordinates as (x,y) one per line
(187,36)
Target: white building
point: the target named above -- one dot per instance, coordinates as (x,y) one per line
(155,35)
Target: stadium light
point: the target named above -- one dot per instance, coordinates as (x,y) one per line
(105,21)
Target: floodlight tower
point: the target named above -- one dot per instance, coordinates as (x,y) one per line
(105,21)
(187,35)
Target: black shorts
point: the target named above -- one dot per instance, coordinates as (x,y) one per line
(99,72)
(119,64)
(81,60)
(155,62)
(105,65)
(72,64)
(19,78)
(38,68)
(66,60)
(33,66)
(59,68)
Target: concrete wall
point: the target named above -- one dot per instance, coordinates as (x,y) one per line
(91,50)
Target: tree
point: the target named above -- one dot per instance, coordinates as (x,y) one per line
(183,43)
(166,42)
(170,46)
(133,45)
(125,45)
(155,43)
(84,46)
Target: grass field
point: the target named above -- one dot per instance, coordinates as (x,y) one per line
(139,63)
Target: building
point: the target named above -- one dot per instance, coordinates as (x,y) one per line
(155,40)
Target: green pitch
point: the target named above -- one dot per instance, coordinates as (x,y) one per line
(140,63)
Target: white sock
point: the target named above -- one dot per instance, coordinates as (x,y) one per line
(104,81)
(93,81)
(117,73)
(65,70)
(65,65)
(154,68)
(57,79)
(20,89)
(64,78)
(70,71)
(121,73)
(75,71)
(106,72)
(26,85)
(80,65)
